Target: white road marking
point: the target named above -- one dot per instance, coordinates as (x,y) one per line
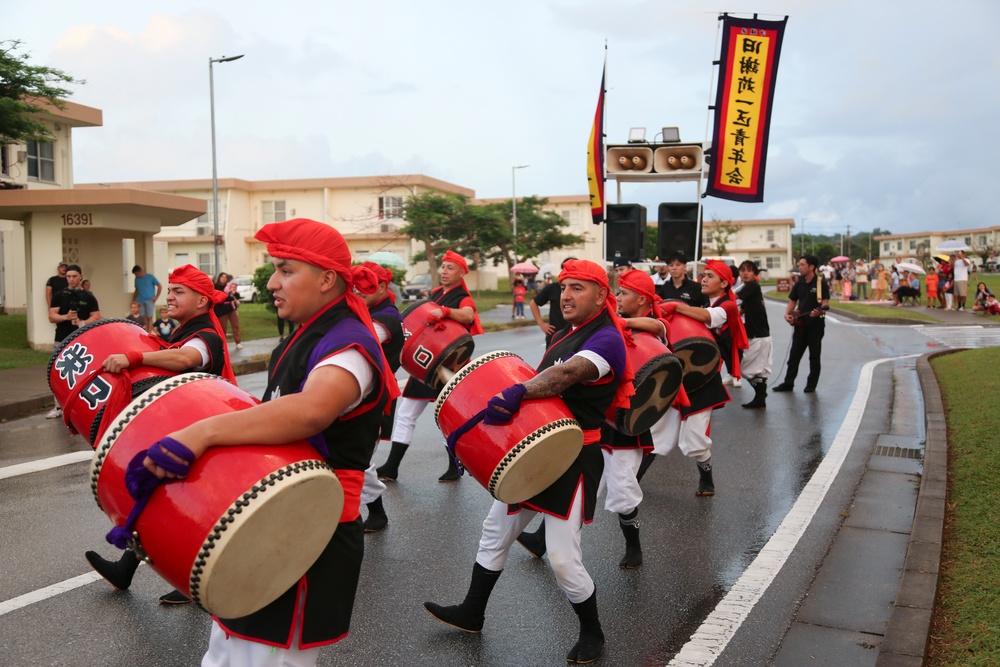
(963,336)
(715,633)
(45,464)
(41,594)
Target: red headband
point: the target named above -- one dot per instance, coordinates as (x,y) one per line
(456,259)
(367,277)
(198,281)
(722,270)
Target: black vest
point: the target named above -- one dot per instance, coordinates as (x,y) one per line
(200,326)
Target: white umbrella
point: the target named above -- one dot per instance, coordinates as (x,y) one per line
(911,267)
(386,258)
(549,268)
(952,245)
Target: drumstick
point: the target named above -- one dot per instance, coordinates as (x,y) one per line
(446,374)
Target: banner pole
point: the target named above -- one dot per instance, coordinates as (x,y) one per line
(708,125)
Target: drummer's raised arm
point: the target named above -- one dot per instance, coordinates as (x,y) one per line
(647,324)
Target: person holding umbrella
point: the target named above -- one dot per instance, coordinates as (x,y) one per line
(960,285)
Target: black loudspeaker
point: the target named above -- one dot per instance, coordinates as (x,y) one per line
(677,229)
(625,232)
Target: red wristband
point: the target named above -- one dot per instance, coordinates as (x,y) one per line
(134,358)
(445,312)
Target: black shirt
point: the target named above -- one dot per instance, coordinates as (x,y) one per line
(550,294)
(83,302)
(804,293)
(689,292)
(754,312)
(57,283)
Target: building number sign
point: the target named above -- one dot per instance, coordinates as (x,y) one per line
(77,219)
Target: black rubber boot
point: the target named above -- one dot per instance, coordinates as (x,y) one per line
(470,615)
(633,549)
(759,394)
(784,386)
(590,645)
(706,487)
(377,520)
(451,474)
(647,460)
(174,597)
(533,542)
(390,469)
(118,573)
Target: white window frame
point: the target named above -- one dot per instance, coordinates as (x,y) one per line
(38,161)
(273,210)
(390,207)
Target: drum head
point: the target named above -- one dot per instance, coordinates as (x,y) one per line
(700,359)
(413,306)
(452,358)
(656,386)
(537,462)
(267,546)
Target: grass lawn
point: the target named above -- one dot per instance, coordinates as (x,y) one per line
(966,629)
(14,350)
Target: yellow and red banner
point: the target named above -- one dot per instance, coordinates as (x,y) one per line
(748,67)
(595,158)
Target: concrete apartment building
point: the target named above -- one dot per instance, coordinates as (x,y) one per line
(766,242)
(920,246)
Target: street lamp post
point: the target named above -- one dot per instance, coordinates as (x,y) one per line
(513,202)
(215,175)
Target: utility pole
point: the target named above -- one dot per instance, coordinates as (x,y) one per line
(848,240)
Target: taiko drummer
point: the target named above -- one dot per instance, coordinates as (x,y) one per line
(587,366)
(332,377)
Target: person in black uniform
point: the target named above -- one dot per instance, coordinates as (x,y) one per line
(333,378)
(371,281)
(197,345)
(807,305)
(454,302)
(549,295)
(756,362)
(680,287)
(587,366)
(72,307)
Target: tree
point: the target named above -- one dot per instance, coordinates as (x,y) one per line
(721,234)
(444,221)
(25,89)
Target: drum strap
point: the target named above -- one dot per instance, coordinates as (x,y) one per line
(141,483)
(498,411)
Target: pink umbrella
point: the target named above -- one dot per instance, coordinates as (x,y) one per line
(840,258)
(524,267)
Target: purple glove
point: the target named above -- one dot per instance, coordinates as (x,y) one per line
(501,409)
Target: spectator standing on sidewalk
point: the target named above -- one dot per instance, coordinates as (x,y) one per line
(960,285)
(861,280)
(226,312)
(70,309)
(147,291)
(56,284)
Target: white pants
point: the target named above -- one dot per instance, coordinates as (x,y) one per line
(562,544)
(408,410)
(757,360)
(373,487)
(690,435)
(620,468)
(236,652)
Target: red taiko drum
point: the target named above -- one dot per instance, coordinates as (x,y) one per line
(80,355)
(433,346)
(695,347)
(247,521)
(518,460)
(658,378)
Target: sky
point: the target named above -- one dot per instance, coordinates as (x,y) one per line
(879,118)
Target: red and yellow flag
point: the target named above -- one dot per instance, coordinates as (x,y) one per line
(748,68)
(595,157)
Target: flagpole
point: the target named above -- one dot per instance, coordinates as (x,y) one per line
(604,174)
(708,127)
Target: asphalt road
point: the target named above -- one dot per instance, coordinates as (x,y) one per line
(54,612)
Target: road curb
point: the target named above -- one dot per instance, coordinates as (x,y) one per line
(907,634)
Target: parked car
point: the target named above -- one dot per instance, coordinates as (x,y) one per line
(417,288)
(245,288)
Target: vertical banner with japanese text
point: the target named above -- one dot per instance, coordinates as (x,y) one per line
(595,156)
(748,68)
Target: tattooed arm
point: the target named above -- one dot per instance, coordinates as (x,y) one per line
(556,379)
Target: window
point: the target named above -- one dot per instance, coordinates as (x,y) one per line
(390,207)
(968,240)
(899,245)
(206,263)
(982,239)
(41,161)
(885,246)
(913,244)
(4,164)
(770,236)
(272,211)
(206,217)
(773,262)
(570,215)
